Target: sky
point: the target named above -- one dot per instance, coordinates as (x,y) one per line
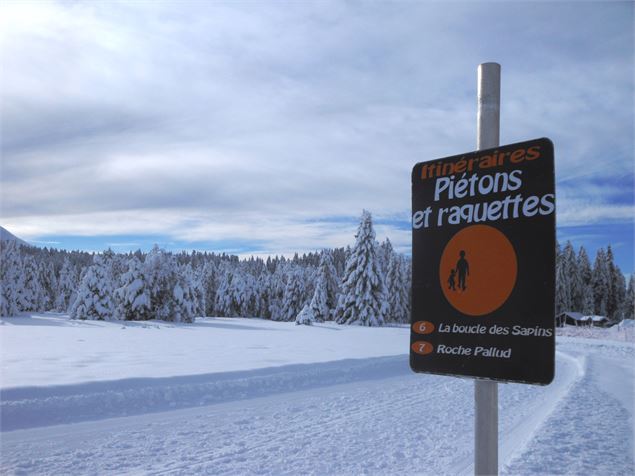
(262,128)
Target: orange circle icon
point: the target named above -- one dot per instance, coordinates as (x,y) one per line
(423,327)
(478,270)
(422,347)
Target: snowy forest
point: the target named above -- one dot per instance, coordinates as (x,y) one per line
(592,290)
(364,284)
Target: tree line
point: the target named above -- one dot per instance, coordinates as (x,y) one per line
(366,284)
(592,290)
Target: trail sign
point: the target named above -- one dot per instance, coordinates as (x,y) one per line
(483,264)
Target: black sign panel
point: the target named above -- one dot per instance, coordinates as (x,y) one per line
(483,264)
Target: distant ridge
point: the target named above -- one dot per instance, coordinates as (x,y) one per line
(6,235)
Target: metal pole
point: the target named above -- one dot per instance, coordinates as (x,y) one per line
(485,391)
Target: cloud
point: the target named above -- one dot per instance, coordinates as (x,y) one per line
(250,121)
(260,234)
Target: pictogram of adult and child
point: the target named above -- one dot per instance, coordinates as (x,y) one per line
(463,270)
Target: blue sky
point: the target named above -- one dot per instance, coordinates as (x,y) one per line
(266,127)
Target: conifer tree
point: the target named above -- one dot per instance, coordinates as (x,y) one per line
(572,277)
(293,299)
(200,304)
(30,294)
(48,282)
(133,295)
(384,254)
(66,286)
(563,299)
(223,305)
(588,301)
(11,278)
(599,283)
(242,294)
(615,287)
(584,266)
(305,317)
(160,269)
(184,303)
(363,297)
(584,276)
(263,294)
(277,287)
(94,296)
(629,300)
(620,291)
(209,282)
(318,306)
(397,292)
(249,300)
(332,279)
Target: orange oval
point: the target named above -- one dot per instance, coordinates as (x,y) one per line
(423,327)
(422,347)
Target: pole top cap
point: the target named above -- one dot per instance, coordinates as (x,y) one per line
(489,65)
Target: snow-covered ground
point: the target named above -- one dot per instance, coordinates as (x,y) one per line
(246,396)
(624,331)
(50,349)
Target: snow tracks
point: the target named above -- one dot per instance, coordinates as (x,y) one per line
(370,416)
(43,406)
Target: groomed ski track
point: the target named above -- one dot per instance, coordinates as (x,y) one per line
(367,416)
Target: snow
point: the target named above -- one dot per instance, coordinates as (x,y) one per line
(624,331)
(247,396)
(49,349)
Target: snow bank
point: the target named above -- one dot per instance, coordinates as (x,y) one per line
(622,332)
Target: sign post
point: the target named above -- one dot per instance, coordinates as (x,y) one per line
(486,391)
(483,266)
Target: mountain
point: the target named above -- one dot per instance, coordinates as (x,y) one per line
(6,235)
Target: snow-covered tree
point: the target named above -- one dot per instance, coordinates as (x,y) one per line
(563,298)
(133,294)
(584,278)
(263,295)
(615,287)
(241,296)
(363,295)
(200,304)
(184,303)
(293,299)
(620,291)
(161,277)
(319,307)
(208,280)
(11,278)
(248,297)
(406,264)
(398,297)
(224,305)
(599,283)
(327,268)
(67,284)
(573,282)
(277,285)
(629,300)
(48,282)
(588,301)
(30,293)
(94,297)
(385,253)
(305,317)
